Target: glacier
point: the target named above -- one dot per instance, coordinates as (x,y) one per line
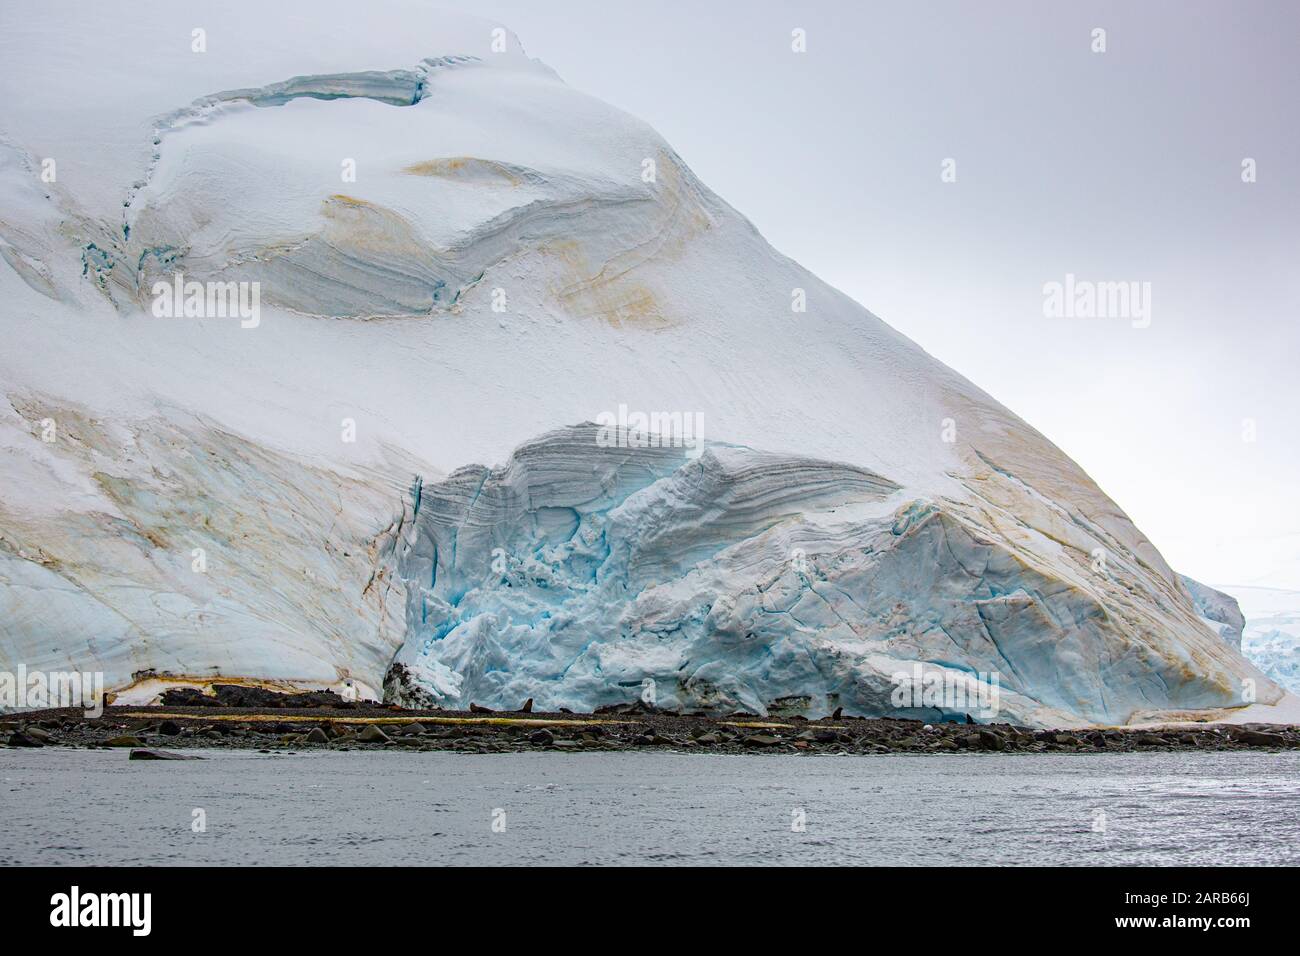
(1274,647)
(1271,632)
(387,485)
(582,572)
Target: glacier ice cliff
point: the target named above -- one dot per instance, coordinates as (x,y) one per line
(1274,647)
(1271,636)
(580,573)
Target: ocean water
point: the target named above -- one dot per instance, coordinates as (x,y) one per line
(362,808)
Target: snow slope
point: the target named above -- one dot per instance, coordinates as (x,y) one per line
(500,269)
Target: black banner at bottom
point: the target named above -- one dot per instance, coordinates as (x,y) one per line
(352,904)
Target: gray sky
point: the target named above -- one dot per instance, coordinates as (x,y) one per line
(1117,166)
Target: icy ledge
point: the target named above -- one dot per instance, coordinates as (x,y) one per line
(1219,611)
(582,572)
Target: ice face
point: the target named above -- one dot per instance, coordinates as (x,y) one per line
(1219,611)
(1271,637)
(581,575)
(1273,645)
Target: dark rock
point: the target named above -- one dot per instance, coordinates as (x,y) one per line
(186,697)
(1256,738)
(169,728)
(161,755)
(541,736)
(413,729)
(372,735)
(761,740)
(237,695)
(565,744)
(634,707)
(316,736)
(20,739)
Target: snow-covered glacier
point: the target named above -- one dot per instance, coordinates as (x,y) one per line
(462,264)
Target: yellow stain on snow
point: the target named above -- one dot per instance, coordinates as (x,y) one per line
(466,169)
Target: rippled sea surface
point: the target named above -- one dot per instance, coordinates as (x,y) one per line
(362,808)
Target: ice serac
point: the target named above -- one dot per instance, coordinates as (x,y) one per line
(460,258)
(1218,610)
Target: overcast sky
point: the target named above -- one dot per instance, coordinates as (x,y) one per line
(1123,165)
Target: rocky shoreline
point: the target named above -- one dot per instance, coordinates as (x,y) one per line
(244,719)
